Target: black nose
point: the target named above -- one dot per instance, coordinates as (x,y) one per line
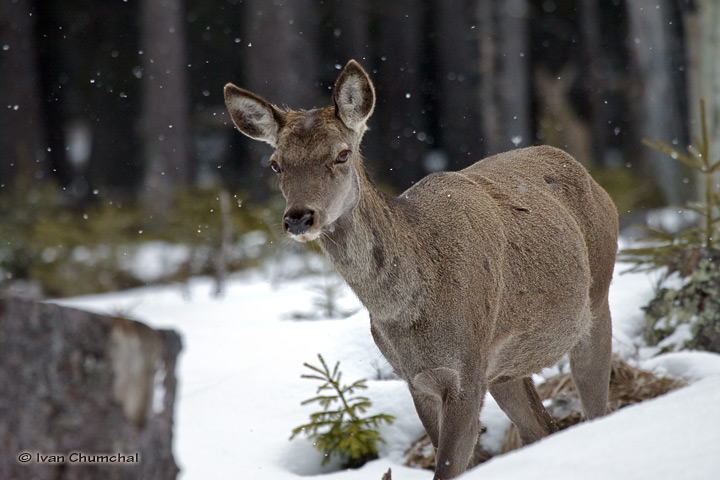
(298,221)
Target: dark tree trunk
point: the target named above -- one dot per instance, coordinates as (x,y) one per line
(601,82)
(91,97)
(400,125)
(559,124)
(590,20)
(456,75)
(347,34)
(654,43)
(22,142)
(281,63)
(504,82)
(165,105)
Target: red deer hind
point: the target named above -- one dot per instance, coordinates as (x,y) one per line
(474,279)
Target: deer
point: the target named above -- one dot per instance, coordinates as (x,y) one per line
(474,280)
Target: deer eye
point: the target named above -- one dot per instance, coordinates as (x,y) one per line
(342,156)
(275,167)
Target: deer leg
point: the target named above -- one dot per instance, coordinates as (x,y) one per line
(521,403)
(428,409)
(459,428)
(590,363)
(450,413)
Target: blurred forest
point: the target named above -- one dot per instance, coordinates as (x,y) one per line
(120,102)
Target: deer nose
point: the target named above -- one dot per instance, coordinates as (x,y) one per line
(299,221)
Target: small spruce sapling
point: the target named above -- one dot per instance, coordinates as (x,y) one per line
(693,254)
(339,428)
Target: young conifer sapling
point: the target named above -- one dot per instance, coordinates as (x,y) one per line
(340,429)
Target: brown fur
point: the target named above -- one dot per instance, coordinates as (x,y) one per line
(474,280)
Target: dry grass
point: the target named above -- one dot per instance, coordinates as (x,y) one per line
(628,386)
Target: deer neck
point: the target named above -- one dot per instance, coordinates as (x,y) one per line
(373,248)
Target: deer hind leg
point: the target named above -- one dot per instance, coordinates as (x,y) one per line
(521,403)
(590,363)
(458,418)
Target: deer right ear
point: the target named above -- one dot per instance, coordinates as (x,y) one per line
(253,115)
(354,96)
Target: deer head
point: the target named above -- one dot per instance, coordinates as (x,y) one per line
(317,152)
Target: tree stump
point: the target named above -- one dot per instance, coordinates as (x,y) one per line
(84,395)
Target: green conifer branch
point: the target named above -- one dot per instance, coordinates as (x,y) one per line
(672,250)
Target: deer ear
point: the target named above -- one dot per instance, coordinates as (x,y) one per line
(354,96)
(253,115)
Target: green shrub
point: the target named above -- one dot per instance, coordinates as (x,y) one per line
(339,428)
(69,249)
(687,317)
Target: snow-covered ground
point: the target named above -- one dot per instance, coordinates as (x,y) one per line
(240,389)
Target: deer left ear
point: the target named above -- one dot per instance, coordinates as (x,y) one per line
(354,96)
(253,115)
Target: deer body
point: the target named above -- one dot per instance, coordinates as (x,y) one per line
(474,280)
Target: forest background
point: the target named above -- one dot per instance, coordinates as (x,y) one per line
(114,129)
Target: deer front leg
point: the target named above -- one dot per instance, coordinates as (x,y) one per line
(459,428)
(457,418)
(428,409)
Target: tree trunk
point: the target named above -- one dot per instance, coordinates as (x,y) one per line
(702,28)
(400,124)
(659,115)
(165,105)
(558,121)
(349,33)
(22,142)
(602,81)
(504,82)
(281,63)
(456,76)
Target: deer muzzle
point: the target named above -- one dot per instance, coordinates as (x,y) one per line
(297,224)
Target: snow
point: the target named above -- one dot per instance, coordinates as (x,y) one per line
(240,388)
(155,259)
(674,436)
